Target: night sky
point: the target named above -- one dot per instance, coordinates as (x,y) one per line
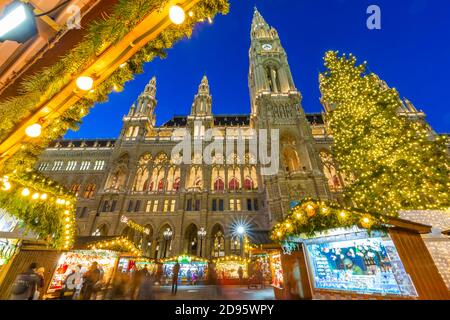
(411,53)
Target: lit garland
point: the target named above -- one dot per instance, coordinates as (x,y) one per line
(184,257)
(135,226)
(231,258)
(397,163)
(119,244)
(45,207)
(312,216)
(99,36)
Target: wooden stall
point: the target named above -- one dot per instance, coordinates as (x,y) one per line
(414,260)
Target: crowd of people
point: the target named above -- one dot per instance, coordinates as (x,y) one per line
(136,284)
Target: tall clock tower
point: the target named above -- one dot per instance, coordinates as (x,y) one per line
(277,104)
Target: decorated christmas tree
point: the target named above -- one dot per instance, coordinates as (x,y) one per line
(394,162)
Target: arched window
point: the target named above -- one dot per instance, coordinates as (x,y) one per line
(101,231)
(248,184)
(219,185)
(290,160)
(161,185)
(89,191)
(333,177)
(218,249)
(176,184)
(75,189)
(236,245)
(233,184)
(191,240)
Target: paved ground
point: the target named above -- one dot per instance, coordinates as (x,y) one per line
(214,293)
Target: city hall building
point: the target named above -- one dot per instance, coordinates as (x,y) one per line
(134,176)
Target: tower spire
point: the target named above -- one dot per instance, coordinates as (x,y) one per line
(203,100)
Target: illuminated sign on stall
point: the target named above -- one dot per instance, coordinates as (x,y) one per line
(133,225)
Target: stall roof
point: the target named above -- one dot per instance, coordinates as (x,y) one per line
(410,225)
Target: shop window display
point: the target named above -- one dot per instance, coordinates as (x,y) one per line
(228,270)
(69,261)
(367,266)
(277,271)
(199,269)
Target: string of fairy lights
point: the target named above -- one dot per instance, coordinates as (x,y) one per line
(397,163)
(120,244)
(313,216)
(62,208)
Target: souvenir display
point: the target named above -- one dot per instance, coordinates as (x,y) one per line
(367,266)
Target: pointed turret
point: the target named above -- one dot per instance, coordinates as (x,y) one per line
(141,117)
(203,100)
(260,28)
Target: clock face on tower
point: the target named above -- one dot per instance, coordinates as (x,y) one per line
(267,47)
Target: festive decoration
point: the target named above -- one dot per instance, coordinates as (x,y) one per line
(119,244)
(312,216)
(44,207)
(231,258)
(397,163)
(44,215)
(185,258)
(99,36)
(133,225)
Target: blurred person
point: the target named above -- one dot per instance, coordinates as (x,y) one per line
(176,270)
(90,278)
(194,278)
(70,284)
(26,284)
(240,274)
(146,289)
(41,274)
(189,277)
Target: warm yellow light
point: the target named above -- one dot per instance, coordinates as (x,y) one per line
(342,214)
(6,186)
(26,192)
(34,130)
(191,14)
(85,83)
(366,220)
(44,196)
(35,196)
(176,14)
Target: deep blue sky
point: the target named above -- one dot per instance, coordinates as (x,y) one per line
(411,53)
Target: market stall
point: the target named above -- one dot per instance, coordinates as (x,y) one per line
(69,261)
(127,263)
(227,269)
(195,266)
(335,253)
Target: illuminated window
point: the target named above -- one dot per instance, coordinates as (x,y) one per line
(57,165)
(155,206)
(89,191)
(75,189)
(99,165)
(166,206)
(172,205)
(43,166)
(235,205)
(148,206)
(71,165)
(85,165)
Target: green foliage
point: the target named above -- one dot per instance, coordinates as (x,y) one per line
(43,217)
(311,217)
(396,163)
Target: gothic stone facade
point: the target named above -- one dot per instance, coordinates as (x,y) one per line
(134,176)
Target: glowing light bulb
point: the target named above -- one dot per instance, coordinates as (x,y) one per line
(35,196)
(44,196)
(176,14)
(25,192)
(34,130)
(85,83)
